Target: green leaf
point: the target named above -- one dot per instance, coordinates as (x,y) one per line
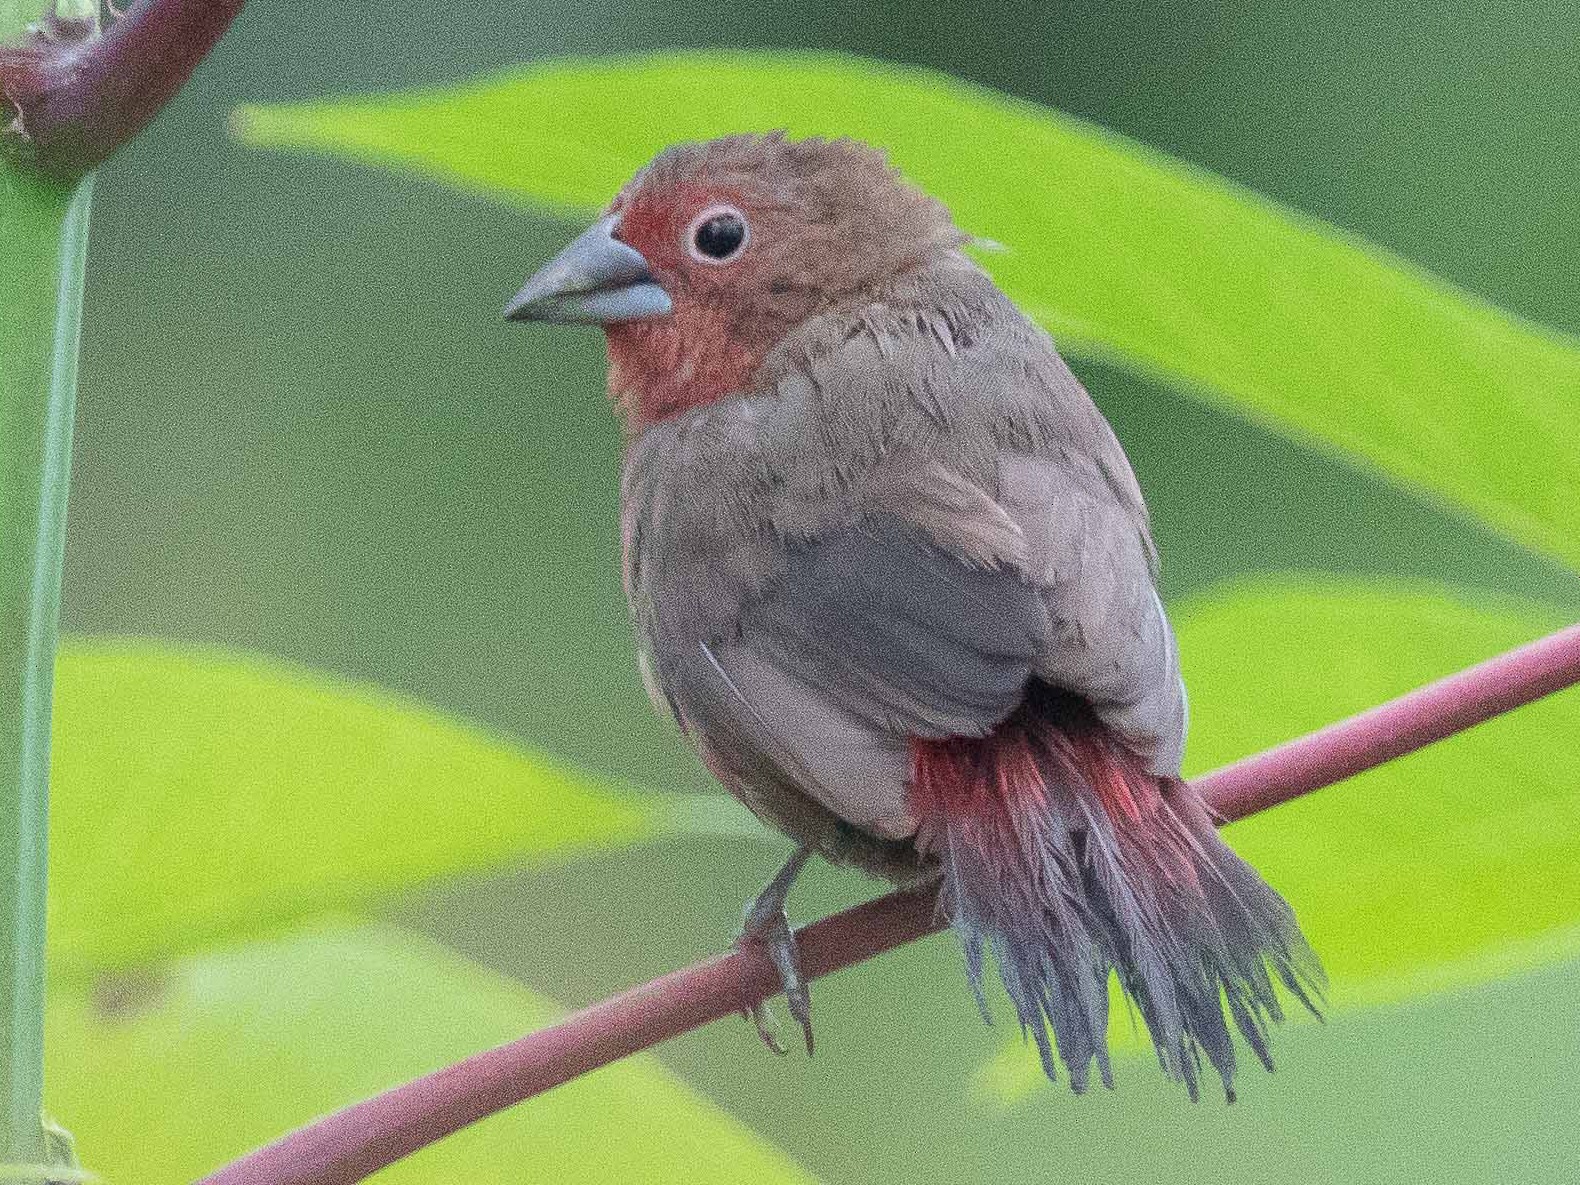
(1450,866)
(198,793)
(163,1080)
(1123,252)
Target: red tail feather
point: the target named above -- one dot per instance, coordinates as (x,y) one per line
(1068,858)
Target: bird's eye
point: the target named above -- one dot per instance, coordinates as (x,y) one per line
(717,235)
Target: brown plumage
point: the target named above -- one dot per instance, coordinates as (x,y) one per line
(891,572)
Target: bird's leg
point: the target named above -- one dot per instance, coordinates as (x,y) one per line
(766,924)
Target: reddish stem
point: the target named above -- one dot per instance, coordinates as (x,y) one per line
(1395,728)
(365,1137)
(79,97)
(361,1139)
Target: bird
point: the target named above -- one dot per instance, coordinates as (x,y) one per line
(892,574)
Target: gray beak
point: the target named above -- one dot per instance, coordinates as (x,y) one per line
(595,280)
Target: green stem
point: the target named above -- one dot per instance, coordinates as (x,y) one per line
(43,237)
(68,98)
(35,467)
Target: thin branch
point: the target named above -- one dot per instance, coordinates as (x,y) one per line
(77,97)
(1397,727)
(350,1144)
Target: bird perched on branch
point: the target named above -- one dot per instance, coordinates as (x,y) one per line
(891,572)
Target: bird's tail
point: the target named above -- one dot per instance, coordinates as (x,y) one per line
(1067,859)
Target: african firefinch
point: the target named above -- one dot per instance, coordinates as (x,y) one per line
(891,572)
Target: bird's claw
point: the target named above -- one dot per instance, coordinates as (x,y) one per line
(767,925)
(778,942)
(767,1028)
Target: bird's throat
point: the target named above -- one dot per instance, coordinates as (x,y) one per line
(661,368)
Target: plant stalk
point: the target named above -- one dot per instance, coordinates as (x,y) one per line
(35,467)
(45,233)
(68,99)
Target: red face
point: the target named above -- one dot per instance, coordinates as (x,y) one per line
(691,235)
(698,243)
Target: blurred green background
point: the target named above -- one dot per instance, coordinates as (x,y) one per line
(304,430)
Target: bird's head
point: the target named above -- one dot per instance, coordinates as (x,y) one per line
(715,251)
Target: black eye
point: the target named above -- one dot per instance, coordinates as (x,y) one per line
(717,235)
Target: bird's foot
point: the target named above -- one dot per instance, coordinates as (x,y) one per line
(778,942)
(767,925)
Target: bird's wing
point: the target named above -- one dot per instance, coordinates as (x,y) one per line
(912,620)
(997,484)
(916,618)
(1092,560)
(927,617)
